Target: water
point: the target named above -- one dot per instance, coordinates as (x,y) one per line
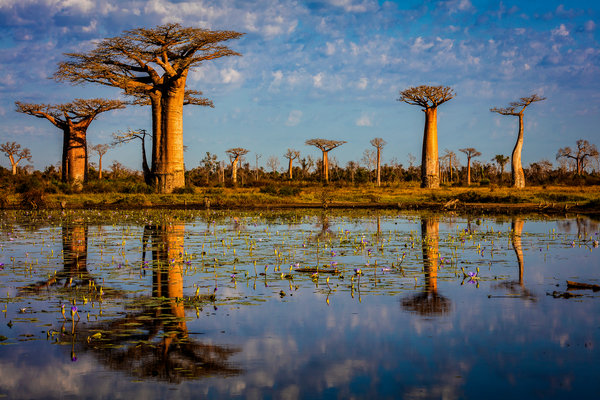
(227,304)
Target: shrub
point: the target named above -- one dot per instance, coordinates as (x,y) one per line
(289,191)
(269,189)
(187,189)
(33,198)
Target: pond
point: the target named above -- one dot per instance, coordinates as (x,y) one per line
(297,304)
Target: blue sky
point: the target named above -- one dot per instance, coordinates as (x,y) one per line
(325,69)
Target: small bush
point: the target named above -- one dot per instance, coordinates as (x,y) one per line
(98,187)
(33,198)
(484,182)
(289,191)
(269,189)
(136,187)
(187,189)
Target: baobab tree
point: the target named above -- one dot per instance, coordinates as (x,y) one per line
(430,98)
(73,119)
(584,150)
(291,155)
(101,150)
(501,160)
(517,108)
(378,143)
(470,152)
(137,134)
(15,154)
(325,145)
(152,65)
(234,156)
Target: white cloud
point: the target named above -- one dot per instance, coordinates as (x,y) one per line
(318,80)
(560,31)
(364,120)
(91,27)
(420,45)
(362,83)
(230,75)
(84,6)
(329,48)
(294,118)
(590,26)
(455,6)
(277,76)
(351,5)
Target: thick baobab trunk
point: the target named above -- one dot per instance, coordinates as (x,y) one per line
(234,170)
(290,169)
(325,166)
(76,156)
(169,170)
(429,163)
(100,167)
(378,166)
(518,177)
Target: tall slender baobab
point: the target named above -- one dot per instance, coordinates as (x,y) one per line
(291,155)
(234,157)
(517,108)
(101,150)
(73,119)
(325,146)
(428,97)
(15,154)
(153,65)
(378,143)
(470,152)
(583,151)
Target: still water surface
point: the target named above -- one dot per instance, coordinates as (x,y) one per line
(301,304)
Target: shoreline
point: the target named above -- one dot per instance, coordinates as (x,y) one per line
(540,200)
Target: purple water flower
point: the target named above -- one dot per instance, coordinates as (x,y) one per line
(357,271)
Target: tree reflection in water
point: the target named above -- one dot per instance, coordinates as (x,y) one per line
(429,302)
(74,272)
(152,341)
(517,288)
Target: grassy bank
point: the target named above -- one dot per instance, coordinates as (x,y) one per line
(544,199)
